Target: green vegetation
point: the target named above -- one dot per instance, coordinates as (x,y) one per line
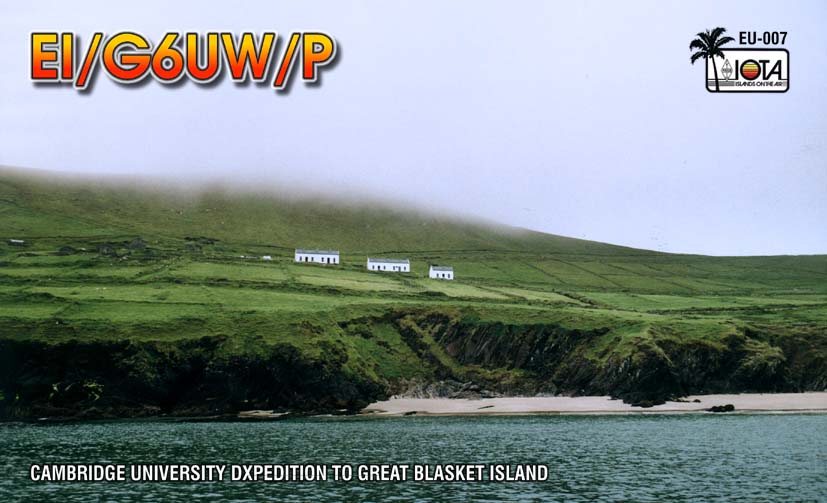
(104,263)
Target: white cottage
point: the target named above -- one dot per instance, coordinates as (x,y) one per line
(389,264)
(317,256)
(441,272)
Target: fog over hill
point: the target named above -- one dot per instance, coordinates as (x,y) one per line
(246,213)
(553,130)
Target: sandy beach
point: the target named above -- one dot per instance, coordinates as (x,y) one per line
(815,402)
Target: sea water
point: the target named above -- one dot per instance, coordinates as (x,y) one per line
(690,457)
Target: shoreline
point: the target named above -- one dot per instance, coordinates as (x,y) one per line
(814,402)
(746,403)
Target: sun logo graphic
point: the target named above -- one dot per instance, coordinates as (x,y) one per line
(741,70)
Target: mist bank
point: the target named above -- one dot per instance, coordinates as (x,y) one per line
(257,213)
(253,183)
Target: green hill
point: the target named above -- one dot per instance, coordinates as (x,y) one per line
(50,208)
(127,298)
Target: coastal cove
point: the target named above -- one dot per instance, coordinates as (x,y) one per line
(128,301)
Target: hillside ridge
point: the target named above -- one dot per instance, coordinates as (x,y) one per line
(125,302)
(246,216)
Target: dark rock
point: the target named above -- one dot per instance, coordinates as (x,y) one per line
(107,249)
(138,244)
(722,408)
(66,250)
(187,377)
(201,240)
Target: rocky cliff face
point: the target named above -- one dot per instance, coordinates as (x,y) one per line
(648,370)
(456,357)
(189,378)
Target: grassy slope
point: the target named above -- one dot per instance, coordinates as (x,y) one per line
(83,209)
(176,289)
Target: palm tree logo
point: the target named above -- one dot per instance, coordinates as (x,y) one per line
(708,45)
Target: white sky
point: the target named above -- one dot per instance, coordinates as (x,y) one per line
(583,119)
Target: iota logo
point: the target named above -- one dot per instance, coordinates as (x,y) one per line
(741,70)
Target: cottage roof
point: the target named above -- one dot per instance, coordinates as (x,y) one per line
(442,268)
(389,260)
(317,252)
